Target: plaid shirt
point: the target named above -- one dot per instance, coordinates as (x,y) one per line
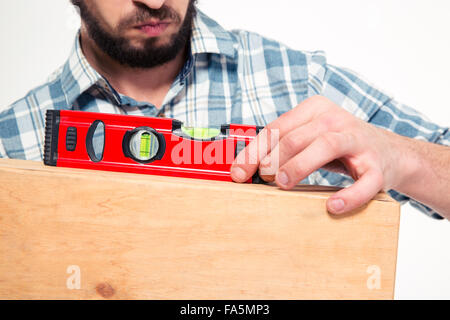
(229,77)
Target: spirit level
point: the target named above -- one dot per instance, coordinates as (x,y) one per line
(157,146)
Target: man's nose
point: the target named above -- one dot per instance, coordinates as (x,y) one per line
(152,4)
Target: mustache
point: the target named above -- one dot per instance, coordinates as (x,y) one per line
(144,13)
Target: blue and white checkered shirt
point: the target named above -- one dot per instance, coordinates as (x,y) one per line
(230,77)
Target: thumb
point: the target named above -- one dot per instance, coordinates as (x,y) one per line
(357,195)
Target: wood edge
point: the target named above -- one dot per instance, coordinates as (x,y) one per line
(397,238)
(305,191)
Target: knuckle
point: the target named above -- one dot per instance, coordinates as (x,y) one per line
(337,121)
(298,170)
(273,137)
(319,102)
(330,122)
(273,125)
(318,99)
(330,141)
(290,142)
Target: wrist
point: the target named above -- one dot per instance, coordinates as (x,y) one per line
(408,163)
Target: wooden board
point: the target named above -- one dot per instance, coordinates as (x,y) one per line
(127,236)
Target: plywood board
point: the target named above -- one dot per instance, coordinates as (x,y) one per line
(80,234)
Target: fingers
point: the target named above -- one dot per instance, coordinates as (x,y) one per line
(247,162)
(323,150)
(357,195)
(305,139)
(300,115)
(291,144)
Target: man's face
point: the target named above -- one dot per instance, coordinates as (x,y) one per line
(139,34)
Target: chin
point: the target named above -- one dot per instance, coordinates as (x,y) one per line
(156,41)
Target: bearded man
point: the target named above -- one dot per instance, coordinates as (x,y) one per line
(165,58)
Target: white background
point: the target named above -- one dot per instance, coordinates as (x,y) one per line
(403,46)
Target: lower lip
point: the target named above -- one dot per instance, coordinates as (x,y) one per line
(153,30)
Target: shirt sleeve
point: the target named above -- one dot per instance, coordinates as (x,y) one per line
(350,91)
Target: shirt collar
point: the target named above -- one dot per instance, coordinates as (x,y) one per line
(78,75)
(209,37)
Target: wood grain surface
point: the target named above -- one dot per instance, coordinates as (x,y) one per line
(148,237)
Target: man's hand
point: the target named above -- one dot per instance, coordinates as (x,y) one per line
(319,134)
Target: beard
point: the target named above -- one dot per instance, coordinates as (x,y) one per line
(149,55)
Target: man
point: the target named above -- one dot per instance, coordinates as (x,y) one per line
(165,58)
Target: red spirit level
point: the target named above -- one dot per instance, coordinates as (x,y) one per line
(136,144)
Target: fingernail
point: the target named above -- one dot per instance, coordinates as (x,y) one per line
(238,174)
(282,178)
(337,205)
